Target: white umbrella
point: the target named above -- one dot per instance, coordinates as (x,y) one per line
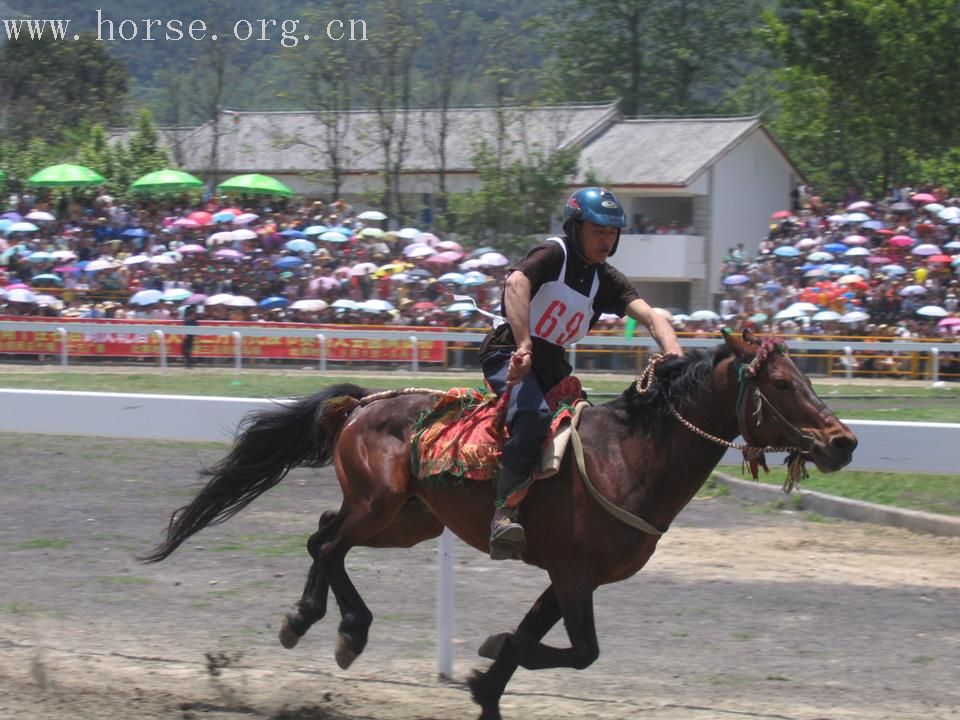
(20,295)
(245,218)
(790,313)
(344,304)
(372,215)
(218,238)
(146,297)
(949,213)
(415,251)
(241,301)
(40,216)
(100,264)
(364,268)
(136,260)
(309,305)
(826,316)
(805,307)
(855,316)
(408,233)
(932,311)
(220,299)
(66,255)
(164,259)
(926,249)
(701,315)
(22,227)
(819,256)
(494,260)
(49,301)
(857,252)
(375,305)
(243,234)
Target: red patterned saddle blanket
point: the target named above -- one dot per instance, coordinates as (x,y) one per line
(463,434)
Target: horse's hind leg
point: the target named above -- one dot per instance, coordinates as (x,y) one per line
(487,687)
(313,602)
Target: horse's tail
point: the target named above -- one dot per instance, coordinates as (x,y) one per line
(269,444)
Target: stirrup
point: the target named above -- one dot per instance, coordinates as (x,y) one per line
(507,537)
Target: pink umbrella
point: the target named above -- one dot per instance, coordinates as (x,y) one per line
(439,259)
(192,248)
(17,286)
(923,198)
(447,257)
(245,218)
(168,221)
(197,299)
(450,245)
(201,217)
(855,240)
(900,241)
(859,205)
(879,260)
(228,254)
(185,223)
(949,322)
(428,239)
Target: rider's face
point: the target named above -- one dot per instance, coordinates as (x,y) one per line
(597,241)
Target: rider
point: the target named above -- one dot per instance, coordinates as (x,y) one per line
(551,299)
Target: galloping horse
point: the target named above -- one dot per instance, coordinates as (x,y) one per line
(646,453)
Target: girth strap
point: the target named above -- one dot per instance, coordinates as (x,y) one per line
(625,516)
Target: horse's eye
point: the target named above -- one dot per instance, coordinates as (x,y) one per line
(781,384)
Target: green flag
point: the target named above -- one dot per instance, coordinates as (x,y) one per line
(629,327)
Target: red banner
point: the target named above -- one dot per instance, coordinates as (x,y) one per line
(118,343)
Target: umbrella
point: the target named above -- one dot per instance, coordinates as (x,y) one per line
(426,238)
(448,257)
(273,302)
(344,304)
(292,234)
(419,273)
(901,207)
(475,278)
(806,243)
(176,295)
(191,248)
(780,215)
(772,287)
(255,184)
(819,256)
(926,249)
(826,316)
(300,245)
(168,258)
(135,233)
(165,181)
(922,198)
(855,240)
(372,232)
(136,259)
(315,230)
(949,213)
(879,260)
(452,277)
(21,226)
(224,236)
(934,207)
(424,305)
(309,305)
(372,215)
(851,280)
(857,252)
(324,282)
(41,257)
(185,223)
(789,313)
(65,175)
(224,216)
(933,311)
(20,295)
(242,234)
(407,233)
(735,279)
(494,259)
(861,271)
(228,254)
(146,297)
(46,279)
(375,305)
(197,299)
(201,217)
(364,268)
(949,322)
(835,247)
(450,245)
(859,205)
(913,290)
(289,261)
(416,250)
(462,306)
(872,225)
(241,301)
(804,307)
(893,269)
(99,264)
(816,272)
(701,315)
(941,258)
(854,316)
(220,299)
(785,251)
(900,241)
(333,236)
(245,218)
(857,217)
(40,216)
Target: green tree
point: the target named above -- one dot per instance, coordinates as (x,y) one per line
(866,91)
(47,86)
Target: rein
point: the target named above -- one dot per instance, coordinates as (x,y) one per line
(754,456)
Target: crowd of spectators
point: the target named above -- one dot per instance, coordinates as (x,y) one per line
(253,260)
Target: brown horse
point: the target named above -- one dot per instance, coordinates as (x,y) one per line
(647,452)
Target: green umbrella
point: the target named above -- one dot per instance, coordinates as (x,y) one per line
(166,181)
(65,175)
(3,176)
(255,185)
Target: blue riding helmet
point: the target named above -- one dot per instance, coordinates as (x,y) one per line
(597,205)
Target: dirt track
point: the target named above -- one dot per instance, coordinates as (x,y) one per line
(742,613)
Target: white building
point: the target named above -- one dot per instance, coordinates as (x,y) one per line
(716,180)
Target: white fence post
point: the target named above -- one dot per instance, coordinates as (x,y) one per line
(446,549)
(935,364)
(64,351)
(237,351)
(322,359)
(848,364)
(163,348)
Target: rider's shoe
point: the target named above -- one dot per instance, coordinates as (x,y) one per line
(507,538)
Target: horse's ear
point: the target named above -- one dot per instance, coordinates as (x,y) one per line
(740,345)
(749,338)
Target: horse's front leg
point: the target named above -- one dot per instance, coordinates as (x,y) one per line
(487,687)
(576,606)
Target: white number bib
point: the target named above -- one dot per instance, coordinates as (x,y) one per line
(558,313)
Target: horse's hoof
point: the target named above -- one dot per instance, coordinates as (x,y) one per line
(345,654)
(288,638)
(489,705)
(492,646)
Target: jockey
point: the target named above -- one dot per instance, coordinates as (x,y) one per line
(551,299)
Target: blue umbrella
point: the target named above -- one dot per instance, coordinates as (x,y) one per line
(735,279)
(288,262)
(41,257)
(786,251)
(835,247)
(22,226)
(273,302)
(46,278)
(343,230)
(135,233)
(224,216)
(291,233)
(4,224)
(772,287)
(333,236)
(893,270)
(316,230)
(300,245)
(873,225)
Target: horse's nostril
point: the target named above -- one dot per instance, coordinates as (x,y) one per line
(844,442)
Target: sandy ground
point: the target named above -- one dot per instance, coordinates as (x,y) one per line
(743,613)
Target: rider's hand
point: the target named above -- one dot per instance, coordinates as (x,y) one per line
(520,363)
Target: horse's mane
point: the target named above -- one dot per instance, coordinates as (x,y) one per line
(678,381)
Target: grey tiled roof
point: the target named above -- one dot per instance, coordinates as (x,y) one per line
(660,152)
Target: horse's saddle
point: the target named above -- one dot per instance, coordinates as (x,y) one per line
(463,434)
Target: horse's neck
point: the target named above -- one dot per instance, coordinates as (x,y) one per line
(686,461)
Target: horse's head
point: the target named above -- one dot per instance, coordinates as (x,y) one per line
(777,407)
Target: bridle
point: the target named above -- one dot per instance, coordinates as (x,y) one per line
(754,455)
